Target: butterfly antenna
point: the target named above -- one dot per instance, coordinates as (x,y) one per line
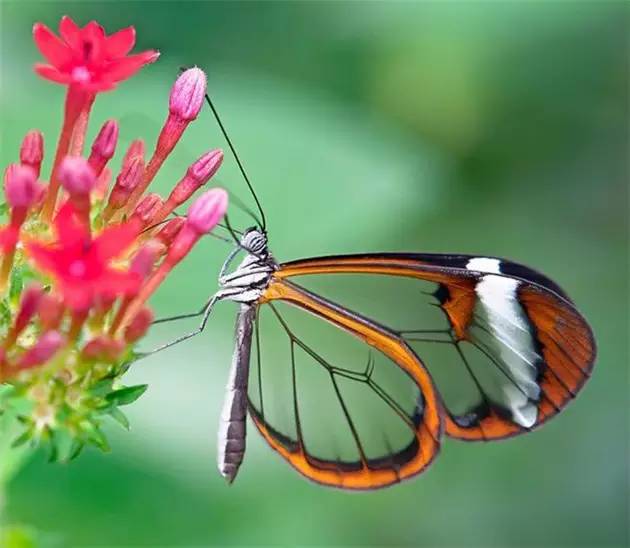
(231,231)
(263,224)
(241,205)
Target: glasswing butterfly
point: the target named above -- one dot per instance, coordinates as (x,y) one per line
(357,401)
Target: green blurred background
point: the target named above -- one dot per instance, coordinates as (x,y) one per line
(491,128)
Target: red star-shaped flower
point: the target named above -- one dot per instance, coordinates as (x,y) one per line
(86,56)
(81,265)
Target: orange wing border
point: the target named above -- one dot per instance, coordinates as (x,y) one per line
(428,432)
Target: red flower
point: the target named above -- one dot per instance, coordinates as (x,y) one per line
(81,265)
(86,56)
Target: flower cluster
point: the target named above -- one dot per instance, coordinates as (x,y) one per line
(82,251)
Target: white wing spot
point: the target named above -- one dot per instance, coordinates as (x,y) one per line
(483,264)
(513,339)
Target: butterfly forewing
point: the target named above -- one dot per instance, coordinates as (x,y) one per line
(505,346)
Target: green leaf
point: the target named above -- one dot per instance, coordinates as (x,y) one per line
(103,387)
(119,417)
(53,456)
(75,450)
(127,395)
(23,438)
(98,439)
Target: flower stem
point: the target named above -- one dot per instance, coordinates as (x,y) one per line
(76,113)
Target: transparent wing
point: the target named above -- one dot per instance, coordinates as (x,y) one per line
(328,392)
(507,349)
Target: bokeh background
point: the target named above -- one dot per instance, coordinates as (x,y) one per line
(491,128)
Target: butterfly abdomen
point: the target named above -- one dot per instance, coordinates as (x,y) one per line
(232,429)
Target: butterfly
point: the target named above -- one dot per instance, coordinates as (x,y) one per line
(504,349)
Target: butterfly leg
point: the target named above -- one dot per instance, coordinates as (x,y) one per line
(219,295)
(208,303)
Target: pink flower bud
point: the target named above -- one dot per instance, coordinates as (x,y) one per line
(167,234)
(206,166)
(29,305)
(135,150)
(126,182)
(21,187)
(144,260)
(32,151)
(51,311)
(102,348)
(207,210)
(77,176)
(104,146)
(45,348)
(197,175)
(147,208)
(203,215)
(139,325)
(187,94)
(131,175)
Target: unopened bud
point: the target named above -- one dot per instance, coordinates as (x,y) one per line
(147,209)
(102,348)
(77,176)
(45,348)
(187,94)
(32,151)
(144,260)
(51,311)
(207,210)
(21,187)
(139,325)
(29,305)
(126,182)
(104,146)
(135,150)
(167,234)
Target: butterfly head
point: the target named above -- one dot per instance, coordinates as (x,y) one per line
(254,241)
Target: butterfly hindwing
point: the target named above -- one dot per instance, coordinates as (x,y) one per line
(345,401)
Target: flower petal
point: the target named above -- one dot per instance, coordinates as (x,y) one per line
(49,72)
(78,297)
(71,231)
(98,86)
(93,44)
(70,32)
(121,69)
(56,52)
(43,255)
(117,282)
(113,241)
(120,43)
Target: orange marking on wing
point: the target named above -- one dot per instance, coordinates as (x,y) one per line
(492,427)
(426,435)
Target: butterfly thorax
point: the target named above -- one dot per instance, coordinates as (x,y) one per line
(246,283)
